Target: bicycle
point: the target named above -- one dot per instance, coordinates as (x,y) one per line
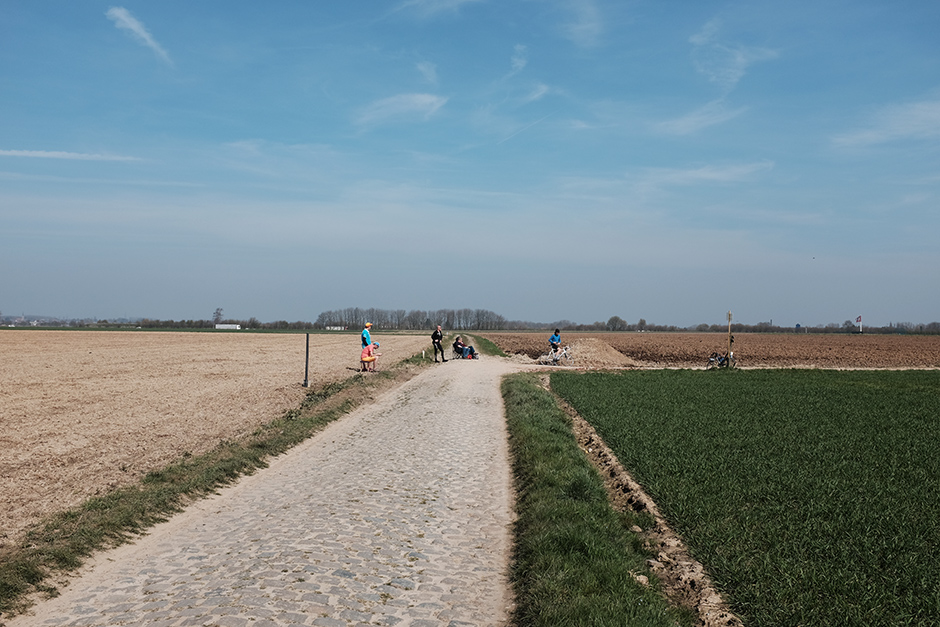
(721,360)
(555,356)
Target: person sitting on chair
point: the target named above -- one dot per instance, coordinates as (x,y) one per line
(466,351)
(369,357)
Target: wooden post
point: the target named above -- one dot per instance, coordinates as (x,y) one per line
(307,364)
(729,338)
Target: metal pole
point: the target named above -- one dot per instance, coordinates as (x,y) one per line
(307,364)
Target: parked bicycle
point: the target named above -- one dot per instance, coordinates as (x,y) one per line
(556,356)
(721,360)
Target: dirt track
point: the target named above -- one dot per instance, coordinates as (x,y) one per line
(84,411)
(400,513)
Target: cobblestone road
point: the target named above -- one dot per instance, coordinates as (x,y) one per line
(398,514)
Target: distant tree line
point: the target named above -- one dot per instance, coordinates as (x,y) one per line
(415,319)
(848,326)
(251,323)
(616,323)
(459,320)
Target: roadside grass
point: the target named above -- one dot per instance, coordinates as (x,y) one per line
(574,557)
(63,541)
(812,497)
(486,347)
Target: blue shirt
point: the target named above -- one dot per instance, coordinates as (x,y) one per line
(555,339)
(366,338)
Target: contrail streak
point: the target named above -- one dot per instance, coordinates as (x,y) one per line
(522,130)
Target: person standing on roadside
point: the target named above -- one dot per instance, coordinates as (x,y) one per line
(366,336)
(436,339)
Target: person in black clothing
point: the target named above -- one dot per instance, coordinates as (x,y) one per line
(436,339)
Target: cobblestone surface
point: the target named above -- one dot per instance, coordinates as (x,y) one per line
(397,515)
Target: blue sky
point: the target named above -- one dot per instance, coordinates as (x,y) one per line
(544,159)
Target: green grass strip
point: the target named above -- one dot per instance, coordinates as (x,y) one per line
(486,347)
(66,539)
(574,556)
(812,497)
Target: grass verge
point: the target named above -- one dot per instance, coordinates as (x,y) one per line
(486,347)
(812,497)
(575,560)
(62,542)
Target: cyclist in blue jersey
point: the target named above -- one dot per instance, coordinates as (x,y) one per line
(555,340)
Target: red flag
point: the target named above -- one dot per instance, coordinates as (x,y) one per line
(859,319)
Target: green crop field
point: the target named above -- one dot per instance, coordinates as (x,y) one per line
(812,497)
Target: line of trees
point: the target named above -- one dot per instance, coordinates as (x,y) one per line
(460,320)
(251,323)
(848,326)
(485,320)
(416,319)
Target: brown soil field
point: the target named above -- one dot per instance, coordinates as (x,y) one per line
(752,350)
(82,412)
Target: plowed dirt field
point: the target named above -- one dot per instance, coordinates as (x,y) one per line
(82,412)
(752,350)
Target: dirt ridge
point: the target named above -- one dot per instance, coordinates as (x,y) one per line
(682,578)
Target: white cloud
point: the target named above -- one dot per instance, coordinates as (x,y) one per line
(519,58)
(123,19)
(708,33)
(914,121)
(721,63)
(58,154)
(518,62)
(429,8)
(665,177)
(587,26)
(714,112)
(401,106)
(537,93)
(428,70)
